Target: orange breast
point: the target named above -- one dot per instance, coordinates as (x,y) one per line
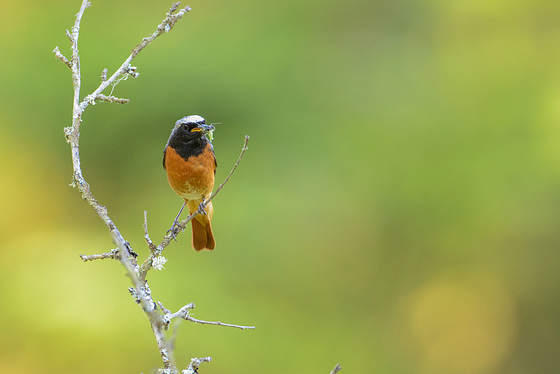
(193,178)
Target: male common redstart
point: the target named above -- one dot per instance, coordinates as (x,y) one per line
(190,164)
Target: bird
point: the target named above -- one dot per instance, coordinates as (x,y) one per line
(190,164)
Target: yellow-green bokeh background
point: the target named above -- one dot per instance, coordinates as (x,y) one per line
(397,211)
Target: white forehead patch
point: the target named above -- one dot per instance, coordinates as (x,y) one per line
(195,118)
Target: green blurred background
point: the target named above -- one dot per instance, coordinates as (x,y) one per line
(397,210)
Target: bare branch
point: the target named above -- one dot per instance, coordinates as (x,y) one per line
(114,254)
(168,316)
(61,57)
(164,309)
(245,148)
(72,133)
(112,99)
(195,363)
(165,26)
(76,74)
(184,314)
(218,323)
(336,369)
(124,253)
(151,245)
(174,7)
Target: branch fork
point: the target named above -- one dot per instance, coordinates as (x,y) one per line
(184,314)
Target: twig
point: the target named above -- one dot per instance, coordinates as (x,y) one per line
(114,254)
(165,26)
(336,369)
(184,314)
(164,309)
(74,64)
(184,222)
(174,7)
(168,316)
(61,57)
(151,245)
(195,363)
(112,99)
(218,323)
(140,289)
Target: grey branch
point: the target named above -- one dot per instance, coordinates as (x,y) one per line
(165,26)
(151,245)
(336,369)
(112,99)
(113,254)
(74,64)
(140,290)
(72,133)
(195,363)
(218,323)
(245,148)
(61,57)
(184,314)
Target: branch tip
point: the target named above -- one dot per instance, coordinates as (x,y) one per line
(61,57)
(174,7)
(336,369)
(151,245)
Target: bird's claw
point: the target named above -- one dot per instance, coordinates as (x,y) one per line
(201,208)
(174,230)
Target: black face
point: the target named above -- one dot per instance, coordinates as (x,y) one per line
(193,125)
(188,136)
(189,128)
(188,131)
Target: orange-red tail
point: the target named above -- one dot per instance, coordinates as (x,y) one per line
(202,236)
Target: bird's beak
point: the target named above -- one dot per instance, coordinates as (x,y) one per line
(206,128)
(203,128)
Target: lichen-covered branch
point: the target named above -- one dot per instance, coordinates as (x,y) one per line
(195,363)
(112,99)
(159,318)
(113,254)
(72,133)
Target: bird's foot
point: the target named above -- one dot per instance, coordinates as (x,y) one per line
(201,208)
(175,229)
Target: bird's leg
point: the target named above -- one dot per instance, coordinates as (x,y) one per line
(175,227)
(179,215)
